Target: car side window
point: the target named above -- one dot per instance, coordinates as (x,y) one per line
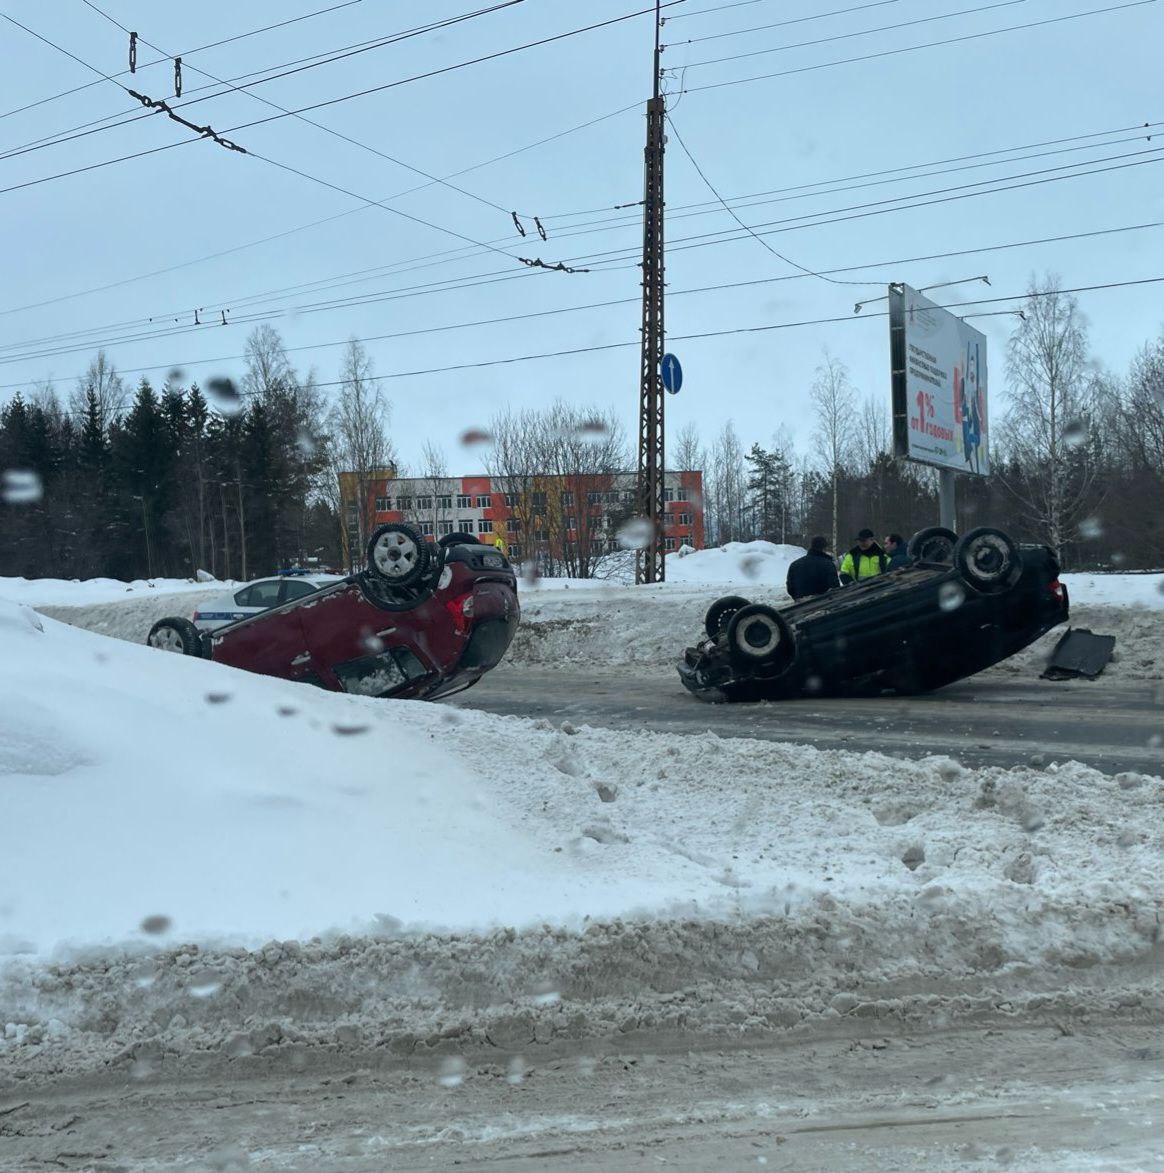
(259,594)
(296,590)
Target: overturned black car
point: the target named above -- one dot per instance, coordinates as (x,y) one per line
(961,605)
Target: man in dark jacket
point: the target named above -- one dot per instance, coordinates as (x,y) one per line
(896,549)
(865,560)
(815,573)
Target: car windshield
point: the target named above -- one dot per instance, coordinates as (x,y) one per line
(581,586)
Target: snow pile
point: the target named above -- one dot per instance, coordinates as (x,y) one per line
(397,856)
(76,592)
(1116,590)
(757,563)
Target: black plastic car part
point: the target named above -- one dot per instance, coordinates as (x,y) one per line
(720,612)
(988,560)
(759,639)
(933,544)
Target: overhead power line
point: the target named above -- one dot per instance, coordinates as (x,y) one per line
(394,295)
(778,24)
(885,28)
(916,48)
(185,53)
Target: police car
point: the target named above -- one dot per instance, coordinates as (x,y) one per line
(253,598)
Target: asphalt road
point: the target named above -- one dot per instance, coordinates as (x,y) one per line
(990,720)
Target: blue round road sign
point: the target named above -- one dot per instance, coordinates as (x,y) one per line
(672,374)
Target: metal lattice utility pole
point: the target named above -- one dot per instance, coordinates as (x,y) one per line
(649,562)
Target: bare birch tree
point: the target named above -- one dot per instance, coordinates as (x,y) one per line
(360,439)
(1050,414)
(834,403)
(102,379)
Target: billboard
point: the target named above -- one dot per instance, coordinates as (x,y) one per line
(938,366)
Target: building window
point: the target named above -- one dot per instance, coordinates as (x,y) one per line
(513,525)
(404,504)
(611,498)
(685,539)
(680,494)
(593,498)
(464,501)
(465,525)
(571,523)
(541,535)
(426,528)
(383,504)
(484,526)
(668,544)
(511,500)
(684,518)
(596,545)
(485,501)
(668,494)
(445,501)
(567,500)
(444,527)
(424,503)
(628,497)
(515,551)
(539,500)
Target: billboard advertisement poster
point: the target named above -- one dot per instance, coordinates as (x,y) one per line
(939,385)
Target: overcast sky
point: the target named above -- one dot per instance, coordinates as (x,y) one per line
(807,128)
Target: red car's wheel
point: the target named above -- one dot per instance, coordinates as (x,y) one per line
(175,635)
(398,555)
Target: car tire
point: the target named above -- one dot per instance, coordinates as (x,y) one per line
(397,555)
(934,544)
(720,613)
(458,538)
(759,638)
(176,635)
(988,560)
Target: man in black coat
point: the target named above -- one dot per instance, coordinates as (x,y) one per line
(815,573)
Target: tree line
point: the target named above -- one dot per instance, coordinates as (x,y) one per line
(241,481)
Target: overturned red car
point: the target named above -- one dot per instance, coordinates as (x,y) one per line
(419,621)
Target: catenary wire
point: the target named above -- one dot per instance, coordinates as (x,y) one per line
(780,23)
(717,288)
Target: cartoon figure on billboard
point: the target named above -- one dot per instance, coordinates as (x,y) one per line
(971,410)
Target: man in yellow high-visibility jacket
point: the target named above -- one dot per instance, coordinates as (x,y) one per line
(865,560)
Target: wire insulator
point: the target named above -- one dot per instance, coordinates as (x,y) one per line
(177,77)
(133,52)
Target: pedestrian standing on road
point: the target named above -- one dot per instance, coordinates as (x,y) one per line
(813,574)
(895,548)
(865,560)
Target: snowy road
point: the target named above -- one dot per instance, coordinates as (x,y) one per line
(993,720)
(1026,1099)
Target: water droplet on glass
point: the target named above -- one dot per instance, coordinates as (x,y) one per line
(349,730)
(751,565)
(286,711)
(515,1073)
(635,534)
(371,642)
(217,698)
(306,442)
(176,375)
(545,994)
(156,925)
(1126,839)
(224,395)
(1156,741)
(1091,528)
(1075,433)
(1118,558)
(593,429)
(21,487)
(141,1068)
(451,1072)
(813,684)
(530,573)
(475,437)
(204,987)
(951,596)
(144,975)
(586,1064)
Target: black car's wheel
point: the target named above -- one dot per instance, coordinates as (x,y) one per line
(934,544)
(459,538)
(988,560)
(398,555)
(758,637)
(720,612)
(176,635)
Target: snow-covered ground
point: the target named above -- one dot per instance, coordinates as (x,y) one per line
(160,812)
(75,592)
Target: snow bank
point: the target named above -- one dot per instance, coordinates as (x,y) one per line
(64,592)
(756,562)
(157,809)
(1116,590)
